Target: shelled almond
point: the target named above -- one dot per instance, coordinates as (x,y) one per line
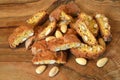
(53,71)
(40,69)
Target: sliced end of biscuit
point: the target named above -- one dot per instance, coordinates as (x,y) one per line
(37,18)
(19,35)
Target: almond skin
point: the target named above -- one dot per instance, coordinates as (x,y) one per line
(58,34)
(53,71)
(81,61)
(101,62)
(40,69)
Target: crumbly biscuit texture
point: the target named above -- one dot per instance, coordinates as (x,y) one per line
(64,43)
(90,22)
(19,35)
(89,52)
(49,57)
(47,31)
(85,33)
(104,27)
(37,18)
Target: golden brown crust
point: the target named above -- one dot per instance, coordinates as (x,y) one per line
(19,35)
(70,9)
(85,33)
(65,17)
(64,43)
(71,31)
(37,18)
(104,27)
(43,56)
(89,52)
(47,31)
(39,46)
(90,23)
(49,57)
(61,57)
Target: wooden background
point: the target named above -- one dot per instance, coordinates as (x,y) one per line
(15,64)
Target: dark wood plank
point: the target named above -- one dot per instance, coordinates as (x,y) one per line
(26,71)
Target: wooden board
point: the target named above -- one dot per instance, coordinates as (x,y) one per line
(15,64)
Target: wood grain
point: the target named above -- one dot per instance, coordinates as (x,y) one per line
(16,14)
(15,64)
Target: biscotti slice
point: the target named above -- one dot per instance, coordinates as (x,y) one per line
(49,57)
(19,35)
(38,46)
(47,31)
(85,33)
(90,23)
(104,27)
(71,9)
(60,15)
(89,52)
(64,43)
(37,18)
(65,17)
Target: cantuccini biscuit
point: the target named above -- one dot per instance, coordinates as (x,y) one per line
(90,23)
(70,9)
(64,43)
(39,46)
(84,32)
(65,17)
(89,52)
(19,35)
(104,27)
(47,31)
(37,18)
(49,57)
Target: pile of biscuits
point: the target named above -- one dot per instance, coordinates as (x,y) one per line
(66,29)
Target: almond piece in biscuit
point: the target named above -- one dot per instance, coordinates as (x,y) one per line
(65,17)
(64,43)
(37,18)
(47,31)
(104,27)
(90,23)
(63,26)
(84,32)
(58,34)
(89,52)
(19,35)
(49,38)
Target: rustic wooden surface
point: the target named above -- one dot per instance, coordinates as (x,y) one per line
(15,64)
